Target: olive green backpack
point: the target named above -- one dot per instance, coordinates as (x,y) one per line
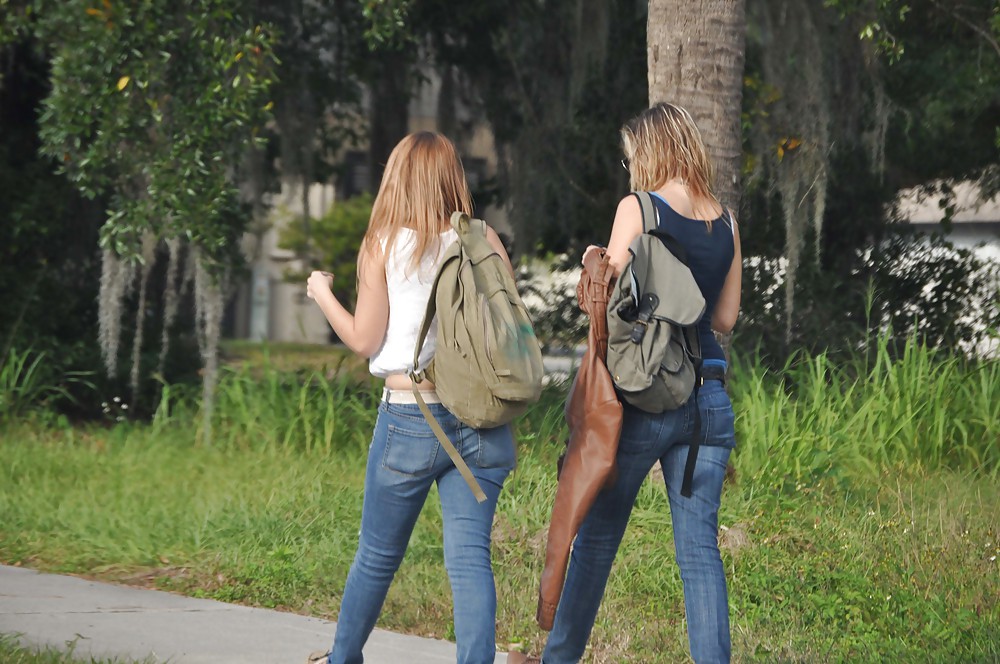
(487,365)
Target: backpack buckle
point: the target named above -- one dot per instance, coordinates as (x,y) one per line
(638,331)
(647,305)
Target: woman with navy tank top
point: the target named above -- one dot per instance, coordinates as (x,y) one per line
(665,155)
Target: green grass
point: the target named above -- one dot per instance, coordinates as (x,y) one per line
(872,546)
(12,653)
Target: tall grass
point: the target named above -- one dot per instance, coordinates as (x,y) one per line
(28,380)
(267,408)
(818,417)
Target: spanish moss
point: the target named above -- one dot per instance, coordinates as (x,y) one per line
(148,255)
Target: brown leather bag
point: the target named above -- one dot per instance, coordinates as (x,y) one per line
(594,416)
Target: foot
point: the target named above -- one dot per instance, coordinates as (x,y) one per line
(318,657)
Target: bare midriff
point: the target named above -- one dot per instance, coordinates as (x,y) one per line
(402,382)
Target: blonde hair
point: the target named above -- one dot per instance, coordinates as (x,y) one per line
(423,184)
(663,143)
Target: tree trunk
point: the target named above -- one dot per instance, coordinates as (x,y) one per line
(389,116)
(695,56)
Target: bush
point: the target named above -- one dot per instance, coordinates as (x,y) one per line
(908,286)
(548,289)
(332,242)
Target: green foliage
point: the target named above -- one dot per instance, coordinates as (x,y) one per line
(321,57)
(942,89)
(15,16)
(48,267)
(905,119)
(27,381)
(332,241)
(387,21)
(152,106)
(879,17)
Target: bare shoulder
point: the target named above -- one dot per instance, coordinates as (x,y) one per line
(371,258)
(498,246)
(628,206)
(628,217)
(627,225)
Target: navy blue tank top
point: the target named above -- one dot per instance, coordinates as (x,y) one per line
(710,255)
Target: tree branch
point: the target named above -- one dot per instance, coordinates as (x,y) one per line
(977,29)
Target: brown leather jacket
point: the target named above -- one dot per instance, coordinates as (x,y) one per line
(594,417)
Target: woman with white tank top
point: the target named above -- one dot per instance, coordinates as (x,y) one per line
(423,184)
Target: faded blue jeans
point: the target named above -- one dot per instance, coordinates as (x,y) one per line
(645,440)
(403,461)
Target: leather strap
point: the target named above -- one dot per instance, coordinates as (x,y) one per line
(456,458)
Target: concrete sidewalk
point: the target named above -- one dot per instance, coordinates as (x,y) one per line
(106,621)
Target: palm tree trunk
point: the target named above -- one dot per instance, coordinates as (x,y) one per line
(695,56)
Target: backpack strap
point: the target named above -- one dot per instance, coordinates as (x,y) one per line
(416,375)
(463,225)
(650,225)
(463,468)
(692,459)
(648,211)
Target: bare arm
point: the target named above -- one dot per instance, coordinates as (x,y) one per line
(494,240)
(627,226)
(364,331)
(727,309)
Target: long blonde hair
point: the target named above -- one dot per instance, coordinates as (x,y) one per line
(663,143)
(423,184)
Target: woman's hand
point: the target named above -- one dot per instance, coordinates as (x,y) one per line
(319,282)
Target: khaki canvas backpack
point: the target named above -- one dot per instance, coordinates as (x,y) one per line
(487,365)
(654,352)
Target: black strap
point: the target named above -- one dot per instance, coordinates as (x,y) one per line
(650,225)
(672,244)
(695,443)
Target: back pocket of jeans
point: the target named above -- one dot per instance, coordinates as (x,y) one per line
(410,451)
(496,448)
(718,426)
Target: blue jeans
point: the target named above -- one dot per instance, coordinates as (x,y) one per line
(403,461)
(645,440)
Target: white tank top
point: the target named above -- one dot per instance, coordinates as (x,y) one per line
(409,291)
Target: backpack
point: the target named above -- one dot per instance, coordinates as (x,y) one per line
(487,365)
(654,351)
